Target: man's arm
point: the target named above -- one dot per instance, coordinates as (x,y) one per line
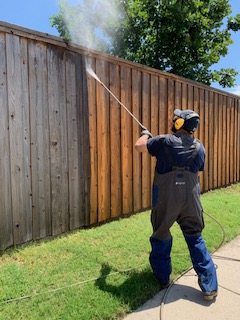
(141,143)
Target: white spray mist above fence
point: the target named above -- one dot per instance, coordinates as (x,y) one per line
(92,23)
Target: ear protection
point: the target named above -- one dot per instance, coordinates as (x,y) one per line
(178,122)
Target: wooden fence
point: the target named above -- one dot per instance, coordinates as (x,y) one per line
(67,156)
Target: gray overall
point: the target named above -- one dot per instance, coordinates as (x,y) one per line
(176,197)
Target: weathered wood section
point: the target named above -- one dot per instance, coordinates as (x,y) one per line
(67,157)
(44,149)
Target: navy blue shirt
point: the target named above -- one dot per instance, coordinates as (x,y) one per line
(180,147)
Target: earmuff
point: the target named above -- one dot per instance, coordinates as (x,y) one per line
(178,122)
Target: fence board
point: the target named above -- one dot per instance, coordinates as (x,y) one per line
(224,143)
(146,160)
(103,143)
(202,128)
(40,163)
(92,103)
(126,142)
(228,125)
(163,96)
(154,115)
(215,141)
(190,102)
(85,139)
(19,148)
(115,143)
(74,153)
(178,95)
(210,150)
(6,219)
(196,101)
(236,151)
(232,146)
(58,140)
(204,122)
(219,151)
(137,159)
(184,96)
(238,140)
(171,104)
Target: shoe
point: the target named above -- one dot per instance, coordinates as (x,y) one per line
(163,285)
(208,296)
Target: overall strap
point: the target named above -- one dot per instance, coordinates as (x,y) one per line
(190,160)
(195,151)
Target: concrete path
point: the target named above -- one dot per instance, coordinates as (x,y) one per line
(184,300)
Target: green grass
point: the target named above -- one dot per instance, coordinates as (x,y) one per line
(103,272)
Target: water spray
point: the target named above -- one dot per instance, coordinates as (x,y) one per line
(93,74)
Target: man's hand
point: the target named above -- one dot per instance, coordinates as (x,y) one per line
(146,132)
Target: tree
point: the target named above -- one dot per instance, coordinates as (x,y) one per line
(184,37)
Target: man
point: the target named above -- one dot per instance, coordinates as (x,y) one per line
(176,197)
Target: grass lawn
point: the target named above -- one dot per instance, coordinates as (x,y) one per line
(103,272)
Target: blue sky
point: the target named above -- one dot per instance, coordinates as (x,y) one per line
(35,14)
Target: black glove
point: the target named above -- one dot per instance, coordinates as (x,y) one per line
(146,132)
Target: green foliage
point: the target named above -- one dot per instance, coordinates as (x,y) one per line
(225,77)
(234,23)
(184,37)
(61,25)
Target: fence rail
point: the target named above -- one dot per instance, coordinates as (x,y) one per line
(67,156)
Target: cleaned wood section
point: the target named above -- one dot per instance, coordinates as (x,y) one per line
(224,140)
(202,130)
(146,121)
(115,143)
(215,141)
(204,118)
(238,139)
(154,116)
(137,159)
(210,150)
(126,141)
(228,127)
(67,154)
(163,98)
(103,143)
(220,141)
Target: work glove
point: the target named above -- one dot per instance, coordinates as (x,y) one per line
(146,132)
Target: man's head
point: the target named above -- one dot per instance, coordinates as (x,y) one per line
(185,119)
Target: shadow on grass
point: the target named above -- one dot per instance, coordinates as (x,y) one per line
(136,290)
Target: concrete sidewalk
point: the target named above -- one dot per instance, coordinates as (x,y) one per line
(184,300)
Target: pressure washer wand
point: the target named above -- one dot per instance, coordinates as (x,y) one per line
(93,74)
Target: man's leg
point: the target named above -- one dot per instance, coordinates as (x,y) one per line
(202,263)
(160,259)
